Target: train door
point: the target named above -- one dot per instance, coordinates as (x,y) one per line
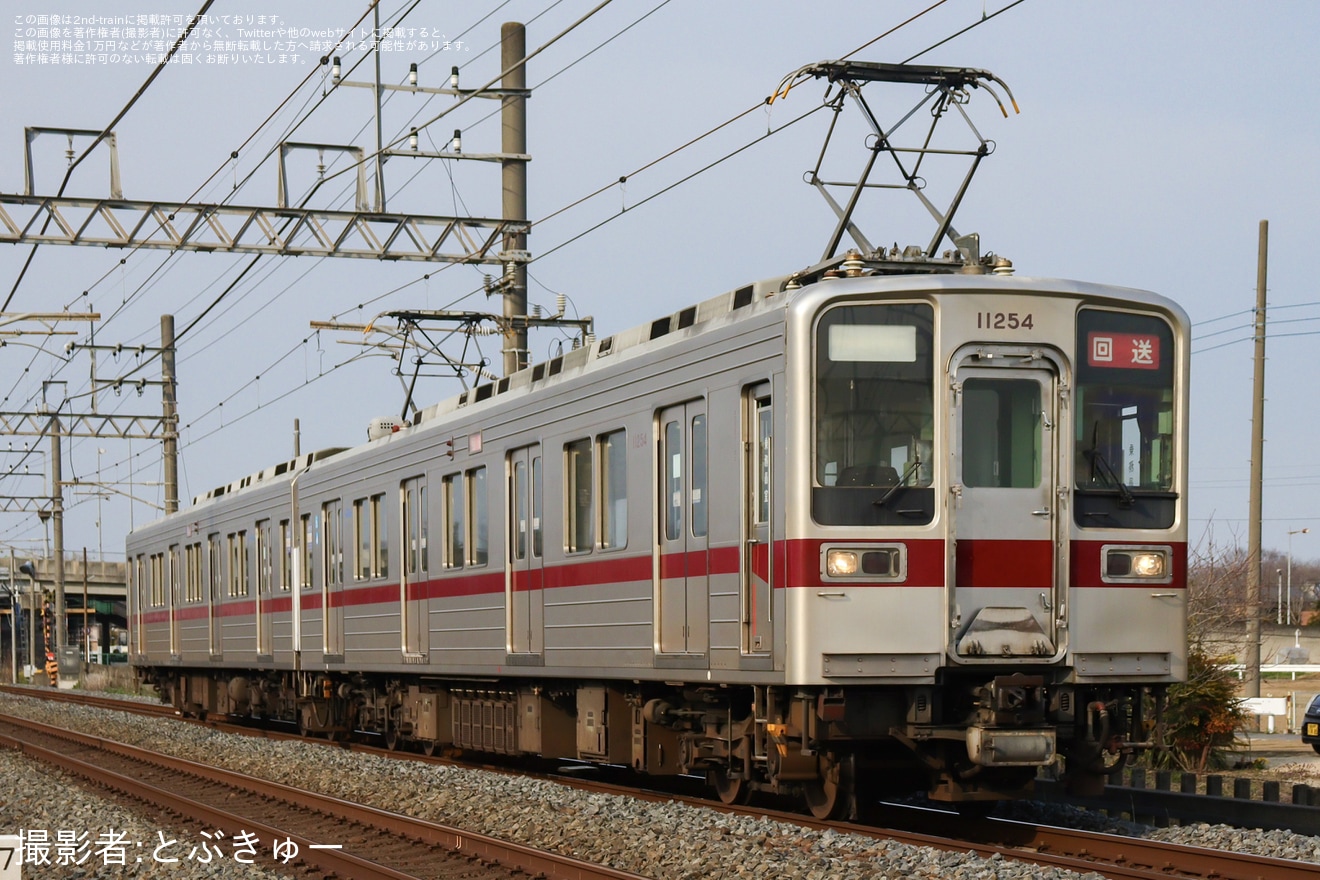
(332,585)
(525,583)
(414,606)
(1004,504)
(758,558)
(215,578)
(682,625)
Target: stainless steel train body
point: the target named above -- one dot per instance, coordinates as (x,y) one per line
(811,535)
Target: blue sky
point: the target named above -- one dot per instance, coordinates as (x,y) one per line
(1153,139)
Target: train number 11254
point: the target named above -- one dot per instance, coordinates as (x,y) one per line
(1003,321)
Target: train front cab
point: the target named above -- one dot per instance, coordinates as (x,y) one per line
(992,563)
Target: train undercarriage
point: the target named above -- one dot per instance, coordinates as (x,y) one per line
(968,743)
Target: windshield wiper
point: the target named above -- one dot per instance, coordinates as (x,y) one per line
(1101,465)
(912,468)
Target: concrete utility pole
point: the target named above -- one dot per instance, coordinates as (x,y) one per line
(169,414)
(1251,675)
(46,421)
(57,531)
(513,116)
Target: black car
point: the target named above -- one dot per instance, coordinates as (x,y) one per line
(1311,724)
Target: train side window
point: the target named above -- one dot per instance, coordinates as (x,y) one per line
(231,551)
(305,551)
(214,557)
(424,514)
(176,576)
(193,573)
(157,580)
(520,514)
(673,468)
(361,541)
(380,536)
(613,490)
(764,421)
(238,564)
(332,516)
(578,496)
(538,507)
(698,464)
(455,520)
(140,580)
(286,558)
(263,557)
(413,531)
(479,547)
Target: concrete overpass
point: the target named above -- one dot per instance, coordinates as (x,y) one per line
(96,608)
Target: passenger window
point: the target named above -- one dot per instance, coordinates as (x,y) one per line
(285,557)
(380,534)
(698,500)
(361,540)
(477,509)
(577,486)
(614,490)
(673,498)
(305,554)
(455,521)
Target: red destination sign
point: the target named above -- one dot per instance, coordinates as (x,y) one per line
(1123,351)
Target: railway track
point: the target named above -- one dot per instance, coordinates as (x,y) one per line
(328,834)
(1111,855)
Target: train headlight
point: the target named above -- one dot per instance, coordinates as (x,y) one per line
(870,562)
(1148,565)
(841,563)
(1139,564)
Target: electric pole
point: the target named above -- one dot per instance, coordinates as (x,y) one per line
(1251,677)
(513,116)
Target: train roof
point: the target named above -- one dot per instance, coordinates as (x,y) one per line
(898,266)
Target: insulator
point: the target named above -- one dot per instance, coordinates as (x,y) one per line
(412,75)
(561,303)
(852,263)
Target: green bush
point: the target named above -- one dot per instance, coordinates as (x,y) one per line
(1203,717)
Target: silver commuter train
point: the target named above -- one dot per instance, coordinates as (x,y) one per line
(885,522)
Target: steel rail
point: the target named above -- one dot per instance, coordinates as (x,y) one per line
(477,846)
(1114,856)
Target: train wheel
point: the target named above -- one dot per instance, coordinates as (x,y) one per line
(429,747)
(731,791)
(830,795)
(392,739)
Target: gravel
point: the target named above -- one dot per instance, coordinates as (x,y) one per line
(662,840)
(71,833)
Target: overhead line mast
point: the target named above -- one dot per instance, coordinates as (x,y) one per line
(27,218)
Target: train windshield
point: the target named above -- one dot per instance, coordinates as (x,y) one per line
(874,409)
(1124,461)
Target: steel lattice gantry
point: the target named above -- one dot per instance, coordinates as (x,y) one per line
(283,231)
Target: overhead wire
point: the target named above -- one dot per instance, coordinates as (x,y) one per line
(204,184)
(68,174)
(600,190)
(201,187)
